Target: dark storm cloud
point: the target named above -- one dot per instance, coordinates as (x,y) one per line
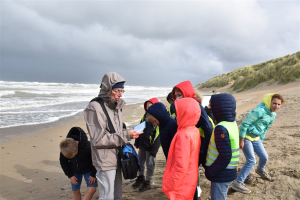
(147,42)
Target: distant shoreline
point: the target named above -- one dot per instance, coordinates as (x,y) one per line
(8,133)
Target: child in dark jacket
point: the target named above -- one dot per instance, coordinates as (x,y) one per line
(223,151)
(209,112)
(159,116)
(76,161)
(148,144)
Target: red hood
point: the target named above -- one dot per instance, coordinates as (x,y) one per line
(153,101)
(188,112)
(186,88)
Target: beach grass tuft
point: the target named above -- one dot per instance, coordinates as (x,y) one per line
(281,70)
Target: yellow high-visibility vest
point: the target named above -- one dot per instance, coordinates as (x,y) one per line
(213,153)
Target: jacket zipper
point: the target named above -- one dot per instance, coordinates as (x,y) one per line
(77,164)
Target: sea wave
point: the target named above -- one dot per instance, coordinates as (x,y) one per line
(6,92)
(49,120)
(37,104)
(27,103)
(54,92)
(39,111)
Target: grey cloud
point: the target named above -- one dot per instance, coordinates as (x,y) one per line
(151,42)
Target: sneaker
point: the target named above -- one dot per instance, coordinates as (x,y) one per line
(139,181)
(249,179)
(264,175)
(240,187)
(146,186)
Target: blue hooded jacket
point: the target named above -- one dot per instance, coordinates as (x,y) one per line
(259,120)
(224,109)
(167,125)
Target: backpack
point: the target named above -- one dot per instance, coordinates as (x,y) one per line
(127,155)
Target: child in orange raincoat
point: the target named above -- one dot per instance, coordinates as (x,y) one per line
(181,173)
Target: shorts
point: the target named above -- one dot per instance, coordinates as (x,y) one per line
(79,180)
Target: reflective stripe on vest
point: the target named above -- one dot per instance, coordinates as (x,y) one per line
(172,115)
(213,153)
(202,131)
(156,135)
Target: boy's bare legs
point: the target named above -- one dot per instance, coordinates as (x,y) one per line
(77,195)
(89,194)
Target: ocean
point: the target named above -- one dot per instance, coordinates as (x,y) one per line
(33,103)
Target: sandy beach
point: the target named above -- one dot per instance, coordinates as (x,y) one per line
(30,166)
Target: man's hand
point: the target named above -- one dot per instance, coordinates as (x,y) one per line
(242,144)
(74,180)
(134,134)
(92,180)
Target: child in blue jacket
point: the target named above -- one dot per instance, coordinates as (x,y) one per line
(159,116)
(252,133)
(223,150)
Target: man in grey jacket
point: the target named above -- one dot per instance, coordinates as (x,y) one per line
(103,143)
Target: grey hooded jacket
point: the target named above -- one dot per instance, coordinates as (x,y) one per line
(103,143)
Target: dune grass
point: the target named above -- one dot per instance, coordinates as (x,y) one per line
(282,70)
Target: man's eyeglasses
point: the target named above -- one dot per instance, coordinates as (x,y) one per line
(118,91)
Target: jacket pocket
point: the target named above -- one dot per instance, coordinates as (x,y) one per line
(103,153)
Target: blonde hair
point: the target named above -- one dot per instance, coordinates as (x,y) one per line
(68,147)
(198,94)
(149,117)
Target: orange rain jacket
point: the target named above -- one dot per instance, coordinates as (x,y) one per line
(181,173)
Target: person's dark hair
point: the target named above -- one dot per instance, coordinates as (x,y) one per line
(278,96)
(170,97)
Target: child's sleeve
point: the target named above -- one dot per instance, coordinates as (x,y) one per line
(156,144)
(93,172)
(65,165)
(253,116)
(262,137)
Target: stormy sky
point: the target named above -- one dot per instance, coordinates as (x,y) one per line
(149,43)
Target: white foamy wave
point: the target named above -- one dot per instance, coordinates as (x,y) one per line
(37,104)
(52,119)
(43,111)
(55,92)
(6,92)
(27,103)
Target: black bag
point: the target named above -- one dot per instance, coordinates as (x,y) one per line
(129,161)
(127,155)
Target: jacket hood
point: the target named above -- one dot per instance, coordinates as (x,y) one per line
(188,112)
(223,107)
(170,97)
(267,100)
(186,88)
(109,80)
(77,134)
(159,111)
(153,101)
